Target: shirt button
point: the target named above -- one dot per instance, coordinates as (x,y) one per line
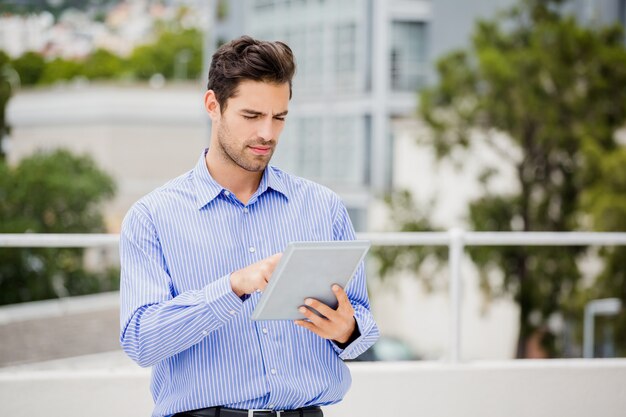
(264,331)
(270,406)
(245,209)
(227,193)
(232,312)
(273,372)
(252,249)
(204,332)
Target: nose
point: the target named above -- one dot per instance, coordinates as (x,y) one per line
(266,129)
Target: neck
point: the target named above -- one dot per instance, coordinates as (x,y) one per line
(231,176)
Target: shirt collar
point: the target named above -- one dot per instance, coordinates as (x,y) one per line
(207,189)
(272,180)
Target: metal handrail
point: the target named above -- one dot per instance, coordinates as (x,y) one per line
(455,239)
(70,240)
(57,240)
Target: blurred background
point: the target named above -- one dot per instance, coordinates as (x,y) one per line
(489,115)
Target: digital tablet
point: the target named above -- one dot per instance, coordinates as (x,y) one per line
(308,270)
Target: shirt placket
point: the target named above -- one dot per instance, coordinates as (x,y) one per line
(263,329)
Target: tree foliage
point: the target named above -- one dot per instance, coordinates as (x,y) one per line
(5,94)
(410,218)
(175,55)
(50,193)
(60,69)
(55,7)
(30,66)
(103,64)
(554,87)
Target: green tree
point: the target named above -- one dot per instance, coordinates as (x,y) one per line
(30,67)
(103,64)
(408,217)
(604,202)
(175,54)
(54,7)
(50,193)
(5,95)
(554,88)
(60,69)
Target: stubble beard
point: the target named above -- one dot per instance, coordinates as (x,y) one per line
(252,163)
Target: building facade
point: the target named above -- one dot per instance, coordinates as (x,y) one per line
(360,63)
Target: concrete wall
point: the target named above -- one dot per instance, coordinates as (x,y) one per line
(61,328)
(572,388)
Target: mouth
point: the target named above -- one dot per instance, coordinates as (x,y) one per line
(260,150)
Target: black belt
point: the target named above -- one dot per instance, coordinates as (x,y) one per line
(233,412)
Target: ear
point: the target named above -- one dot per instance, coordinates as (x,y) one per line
(211,105)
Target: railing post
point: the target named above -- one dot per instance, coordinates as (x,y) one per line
(456,249)
(588,332)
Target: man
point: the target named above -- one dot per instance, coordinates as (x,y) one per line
(196,252)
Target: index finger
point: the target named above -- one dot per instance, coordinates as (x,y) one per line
(275,258)
(342,296)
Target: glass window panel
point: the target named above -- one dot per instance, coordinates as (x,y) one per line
(345,56)
(264,5)
(344,151)
(310,148)
(358,216)
(408,55)
(337,157)
(296,39)
(313,61)
(286,155)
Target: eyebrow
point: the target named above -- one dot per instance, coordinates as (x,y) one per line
(258,113)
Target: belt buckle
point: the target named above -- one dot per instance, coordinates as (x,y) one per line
(251,412)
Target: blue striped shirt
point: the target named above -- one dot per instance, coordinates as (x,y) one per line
(179,245)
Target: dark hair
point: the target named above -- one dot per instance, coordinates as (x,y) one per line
(246,58)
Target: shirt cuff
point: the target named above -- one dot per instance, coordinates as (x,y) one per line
(221,300)
(369,334)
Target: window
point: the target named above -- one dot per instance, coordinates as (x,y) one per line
(358,216)
(310,148)
(408,55)
(286,156)
(333,151)
(264,5)
(345,56)
(314,59)
(296,40)
(345,155)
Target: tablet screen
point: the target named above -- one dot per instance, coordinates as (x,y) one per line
(309,269)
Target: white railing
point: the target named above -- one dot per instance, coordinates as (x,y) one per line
(455,239)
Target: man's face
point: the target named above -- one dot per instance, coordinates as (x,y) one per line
(249,127)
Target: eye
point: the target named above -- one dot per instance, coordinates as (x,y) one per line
(248,117)
(281,118)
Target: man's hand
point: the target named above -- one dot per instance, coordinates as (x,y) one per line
(337,325)
(254,277)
